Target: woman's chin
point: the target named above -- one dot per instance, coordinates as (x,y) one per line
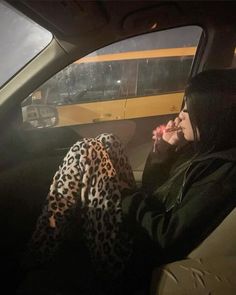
(187,137)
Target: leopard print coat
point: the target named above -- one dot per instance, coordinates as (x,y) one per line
(89,184)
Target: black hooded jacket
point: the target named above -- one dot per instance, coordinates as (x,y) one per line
(183,199)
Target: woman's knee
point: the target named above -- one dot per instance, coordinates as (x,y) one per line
(109,140)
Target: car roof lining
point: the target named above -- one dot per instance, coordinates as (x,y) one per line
(78,24)
(72,20)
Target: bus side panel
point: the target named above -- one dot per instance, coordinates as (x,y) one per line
(155,105)
(85,113)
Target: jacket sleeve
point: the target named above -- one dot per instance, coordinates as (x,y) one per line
(158,165)
(176,232)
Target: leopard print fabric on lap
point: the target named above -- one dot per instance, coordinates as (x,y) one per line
(89,183)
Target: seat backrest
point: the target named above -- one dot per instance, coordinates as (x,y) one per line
(211,267)
(221,242)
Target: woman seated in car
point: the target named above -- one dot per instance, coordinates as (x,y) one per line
(188,188)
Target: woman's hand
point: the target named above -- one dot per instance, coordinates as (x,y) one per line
(172,137)
(164,132)
(158,132)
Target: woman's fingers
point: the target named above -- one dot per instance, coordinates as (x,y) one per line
(170,124)
(177,121)
(163,132)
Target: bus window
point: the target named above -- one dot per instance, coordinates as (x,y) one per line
(139,77)
(100,81)
(157,76)
(160,84)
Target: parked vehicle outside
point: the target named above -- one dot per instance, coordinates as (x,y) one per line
(134,78)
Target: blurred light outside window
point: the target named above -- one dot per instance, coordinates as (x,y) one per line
(21,40)
(234,60)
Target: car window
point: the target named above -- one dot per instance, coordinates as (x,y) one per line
(138,77)
(21,40)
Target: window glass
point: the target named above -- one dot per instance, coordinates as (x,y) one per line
(138,77)
(166,75)
(21,40)
(84,82)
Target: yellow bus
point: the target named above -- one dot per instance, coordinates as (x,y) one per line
(125,85)
(119,86)
(143,76)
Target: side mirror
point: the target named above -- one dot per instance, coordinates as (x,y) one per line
(39,116)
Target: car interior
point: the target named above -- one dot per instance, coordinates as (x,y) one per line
(30,156)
